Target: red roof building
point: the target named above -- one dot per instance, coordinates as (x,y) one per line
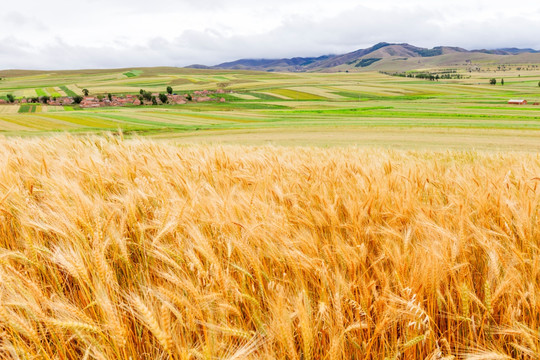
(517,102)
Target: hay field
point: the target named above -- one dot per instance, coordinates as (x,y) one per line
(119,249)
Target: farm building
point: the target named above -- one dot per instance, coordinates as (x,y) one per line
(517,102)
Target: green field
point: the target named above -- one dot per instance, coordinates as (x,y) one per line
(67,91)
(41,92)
(29,108)
(322,109)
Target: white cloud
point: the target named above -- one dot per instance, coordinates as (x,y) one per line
(126,33)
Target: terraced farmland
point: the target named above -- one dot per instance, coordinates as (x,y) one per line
(303,108)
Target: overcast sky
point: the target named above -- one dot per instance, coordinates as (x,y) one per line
(67,34)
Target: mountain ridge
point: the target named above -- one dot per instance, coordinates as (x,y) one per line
(361,58)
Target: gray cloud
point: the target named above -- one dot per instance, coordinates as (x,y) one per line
(18,20)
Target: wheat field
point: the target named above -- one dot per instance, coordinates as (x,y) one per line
(133,249)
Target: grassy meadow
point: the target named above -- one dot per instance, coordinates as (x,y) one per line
(365,108)
(120,249)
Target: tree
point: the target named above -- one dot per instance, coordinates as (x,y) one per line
(44,99)
(163,98)
(10,98)
(169,90)
(154,100)
(141,91)
(492,81)
(502,81)
(77,99)
(100,97)
(109,95)
(85,92)
(147,95)
(539,83)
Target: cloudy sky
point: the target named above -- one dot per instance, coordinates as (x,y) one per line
(67,34)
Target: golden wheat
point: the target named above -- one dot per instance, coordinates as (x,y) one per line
(118,249)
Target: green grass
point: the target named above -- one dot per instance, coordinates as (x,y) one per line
(132,73)
(67,91)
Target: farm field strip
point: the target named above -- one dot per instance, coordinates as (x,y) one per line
(245,96)
(41,92)
(82,120)
(182,119)
(30,108)
(319,91)
(52,92)
(270,94)
(74,89)
(37,122)
(53,109)
(26,93)
(206,118)
(9,109)
(295,94)
(7,125)
(60,91)
(136,123)
(424,138)
(68,91)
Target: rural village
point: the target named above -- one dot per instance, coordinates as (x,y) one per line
(100,101)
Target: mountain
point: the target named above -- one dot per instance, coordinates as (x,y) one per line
(292,64)
(507,51)
(382,56)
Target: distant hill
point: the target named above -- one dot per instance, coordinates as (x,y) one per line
(269,64)
(383,56)
(507,51)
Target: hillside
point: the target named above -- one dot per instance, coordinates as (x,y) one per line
(387,57)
